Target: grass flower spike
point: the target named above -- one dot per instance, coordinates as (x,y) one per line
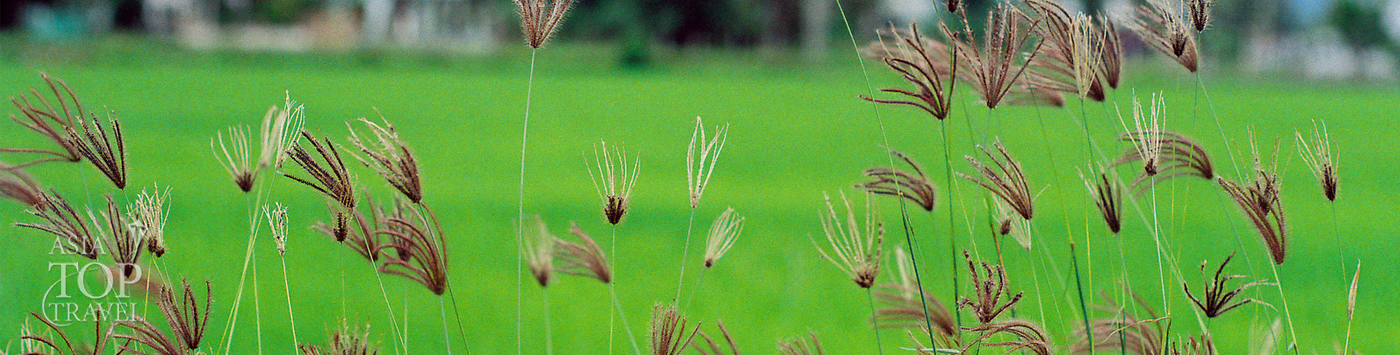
(912,59)
(539,252)
(65,224)
(237,161)
(583,259)
(49,123)
(668,331)
(1261,204)
(1007,181)
(893,182)
(697,176)
(149,212)
(723,233)
(389,156)
(1215,299)
(539,19)
(1320,159)
(854,250)
(614,181)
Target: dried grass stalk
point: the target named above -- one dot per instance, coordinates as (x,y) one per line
(390,157)
(698,177)
(345,341)
(889,181)
(539,252)
(1261,203)
(854,250)
(1176,155)
(1026,336)
(123,240)
(106,151)
(1215,299)
(903,307)
(668,331)
(614,181)
(711,348)
(584,259)
(421,254)
(994,64)
(49,123)
(1007,181)
(1161,25)
(1108,197)
(149,212)
(801,346)
(1319,158)
(539,19)
(988,285)
(277,224)
(65,224)
(330,178)
(911,57)
(723,232)
(18,185)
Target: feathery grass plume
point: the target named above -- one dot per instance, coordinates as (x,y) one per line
(277,224)
(1161,25)
(1147,138)
(106,152)
(539,19)
(1087,51)
(988,290)
(1108,197)
(346,341)
(124,240)
(698,177)
(1260,202)
(994,64)
(1194,346)
(903,307)
(668,331)
(42,120)
(63,222)
(1319,158)
(711,348)
(332,179)
(390,157)
(1351,307)
(913,59)
(894,182)
(539,252)
(801,346)
(1110,51)
(150,214)
(1177,156)
(280,128)
(421,255)
(614,181)
(148,335)
(1007,181)
(1124,332)
(237,161)
(584,259)
(1069,55)
(854,250)
(723,233)
(1028,336)
(1011,223)
(1216,300)
(187,320)
(339,230)
(1199,10)
(18,185)
(46,338)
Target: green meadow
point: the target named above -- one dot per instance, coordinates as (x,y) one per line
(796,132)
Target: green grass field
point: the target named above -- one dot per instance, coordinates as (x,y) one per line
(796,132)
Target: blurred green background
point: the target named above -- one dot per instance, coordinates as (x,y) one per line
(797,130)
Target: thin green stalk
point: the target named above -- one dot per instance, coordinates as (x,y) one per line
(612,291)
(1157,241)
(913,250)
(442,310)
(1286,313)
(1218,127)
(698,285)
(1122,296)
(257,307)
(520,217)
(1083,307)
(685,254)
(623,315)
(875,322)
(952,241)
(548,330)
(291,318)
